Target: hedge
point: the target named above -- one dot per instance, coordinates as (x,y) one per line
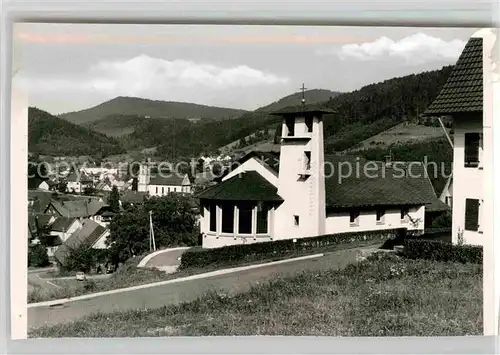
(197,257)
(442,251)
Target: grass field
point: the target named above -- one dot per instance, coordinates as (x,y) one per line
(402,133)
(381,296)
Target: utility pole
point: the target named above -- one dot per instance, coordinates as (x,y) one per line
(152,244)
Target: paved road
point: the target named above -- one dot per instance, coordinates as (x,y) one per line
(159,296)
(169,258)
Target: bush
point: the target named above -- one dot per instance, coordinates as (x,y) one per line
(442,251)
(84,259)
(442,221)
(197,257)
(37,256)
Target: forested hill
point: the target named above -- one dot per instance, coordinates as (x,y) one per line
(50,135)
(375,108)
(359,115)
(127,106)
(313,96)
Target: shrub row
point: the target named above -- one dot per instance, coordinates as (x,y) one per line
(442,251)
(197,257)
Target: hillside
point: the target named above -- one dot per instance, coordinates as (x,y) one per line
(400,134)
(153,108)
(360,114)
(50,135)
(117,125)
(312,96)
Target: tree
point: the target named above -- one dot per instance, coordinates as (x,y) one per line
(62,187)
(89,190)
(114,200)
(174,222)
(37,256)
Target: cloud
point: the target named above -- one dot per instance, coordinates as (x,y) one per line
(146,76)
(413,50)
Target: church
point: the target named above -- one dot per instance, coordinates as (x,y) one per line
(302,192)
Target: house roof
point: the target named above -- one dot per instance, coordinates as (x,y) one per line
(463,91)
(169,180)
(133,196)
(401,184)
(40,200)
(247,186)
(87,235)
(73,177)
(302,109)
(270,159)
(61,224)
(77,208)
(389,189)
(42,219)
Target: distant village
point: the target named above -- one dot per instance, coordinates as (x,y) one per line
(72,205)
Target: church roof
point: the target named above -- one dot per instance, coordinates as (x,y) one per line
(343,190)
(402,184)
(303,109)
(247,186)
(463,91)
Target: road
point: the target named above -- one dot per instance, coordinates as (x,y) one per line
(158,296)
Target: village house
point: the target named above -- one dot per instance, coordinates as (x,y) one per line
(467,97)
(271,196)
(461,98)
(47,185)
(63,227)
(90,235)
(81,209)
(162,184)
(77,183)
(133,197)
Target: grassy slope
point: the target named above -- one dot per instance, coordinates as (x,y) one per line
(400,134)
(153,108)
(386,297)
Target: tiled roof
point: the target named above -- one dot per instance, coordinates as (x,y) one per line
(74,177)
(248,186)
(300,109)
(463,91)
(168,180)
(133,196)
(40,200)
(87,235)
(391,189)
(77,208)
(61,224)
(401,184)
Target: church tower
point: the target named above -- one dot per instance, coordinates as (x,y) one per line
(301,180)
(143,178)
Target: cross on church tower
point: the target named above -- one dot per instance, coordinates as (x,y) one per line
(303,89)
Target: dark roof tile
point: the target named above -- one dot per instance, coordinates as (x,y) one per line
(247,186)
(463,91)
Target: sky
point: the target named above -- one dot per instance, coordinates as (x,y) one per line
(69,67)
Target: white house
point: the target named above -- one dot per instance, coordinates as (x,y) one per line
(78,182)
(63,227)
(301,192)
(90,235)
(163,185)
(468,97)
(462,98)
